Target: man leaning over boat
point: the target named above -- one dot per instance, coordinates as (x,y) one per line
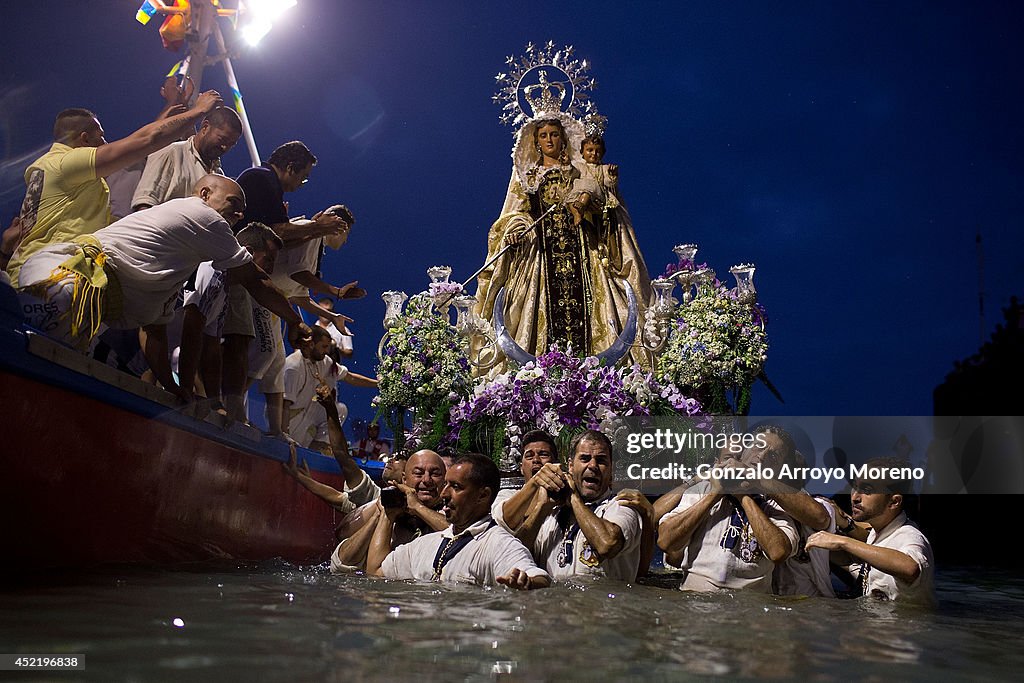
(128,274)
(66,196)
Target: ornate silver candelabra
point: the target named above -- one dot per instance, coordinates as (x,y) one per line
(477,335)
(689,278)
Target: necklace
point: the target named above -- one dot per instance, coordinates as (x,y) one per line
(311,367)
(450,548)
(442,557)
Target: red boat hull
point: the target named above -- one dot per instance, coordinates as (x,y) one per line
(87,482)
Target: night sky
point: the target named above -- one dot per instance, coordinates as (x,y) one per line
(851,150)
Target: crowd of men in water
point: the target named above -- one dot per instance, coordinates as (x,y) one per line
(144,254)
(447,519)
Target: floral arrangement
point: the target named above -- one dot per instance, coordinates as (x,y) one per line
(717,345)
(451,289)
(683,264)
(560,394)
(423,367)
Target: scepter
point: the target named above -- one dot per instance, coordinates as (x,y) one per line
(500,253)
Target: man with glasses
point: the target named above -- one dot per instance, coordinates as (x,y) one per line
(286,170)
(896,561)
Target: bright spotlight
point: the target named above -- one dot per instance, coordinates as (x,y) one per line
(261,16)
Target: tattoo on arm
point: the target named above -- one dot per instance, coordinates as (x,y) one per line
(30,205)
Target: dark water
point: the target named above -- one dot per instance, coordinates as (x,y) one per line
(279,623)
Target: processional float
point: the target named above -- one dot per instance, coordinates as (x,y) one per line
(553,80)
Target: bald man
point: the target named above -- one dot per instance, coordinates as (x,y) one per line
(128,274)
(421,501)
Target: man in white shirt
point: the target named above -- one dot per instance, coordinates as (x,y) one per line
(419,496)
(172,172)
(807,571)
(129,274)
(727,541)
(307,370)
(205,309)
(474,549)
(574,524)
(297,273)
(896,562)
(512,505)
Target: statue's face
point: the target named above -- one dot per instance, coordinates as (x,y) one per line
(592,152)
(550,141)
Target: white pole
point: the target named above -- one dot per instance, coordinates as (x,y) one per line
(250,142)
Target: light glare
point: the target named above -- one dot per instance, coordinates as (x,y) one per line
(254,31)
(262,14)
(268,10)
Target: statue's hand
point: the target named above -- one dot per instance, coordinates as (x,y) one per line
(517,234)
(577,214)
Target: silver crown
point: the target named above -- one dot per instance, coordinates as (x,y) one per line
(550,97)
(562,85)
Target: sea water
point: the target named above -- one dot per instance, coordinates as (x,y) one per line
(275,622)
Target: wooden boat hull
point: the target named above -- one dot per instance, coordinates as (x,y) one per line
(96,474)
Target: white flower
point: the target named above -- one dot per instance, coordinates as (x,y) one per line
(528,374)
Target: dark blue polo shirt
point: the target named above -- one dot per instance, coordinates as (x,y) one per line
(264,198)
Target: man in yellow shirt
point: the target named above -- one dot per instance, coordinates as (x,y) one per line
(67,196)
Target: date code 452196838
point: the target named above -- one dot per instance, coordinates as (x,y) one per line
(61,662)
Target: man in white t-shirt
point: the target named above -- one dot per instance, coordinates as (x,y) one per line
(807,571)
(307,370)
(205,309)
(896,562)
(730,541)
(512,505)
(129,273)
(574,525)
(473,550)
(297,273)
(419,494)
(293,275)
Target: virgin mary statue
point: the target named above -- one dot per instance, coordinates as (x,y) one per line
(566,276)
